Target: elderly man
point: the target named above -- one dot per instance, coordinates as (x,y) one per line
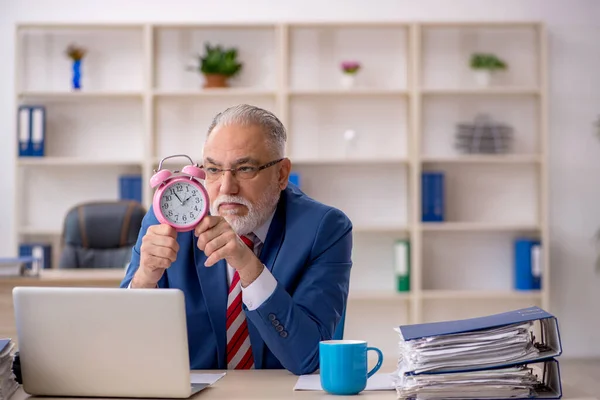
(266,275)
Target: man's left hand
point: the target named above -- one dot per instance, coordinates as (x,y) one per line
(218,240)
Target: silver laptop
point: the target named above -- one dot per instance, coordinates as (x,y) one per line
(103,342)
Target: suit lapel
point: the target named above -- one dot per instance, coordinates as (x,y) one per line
(213,281)
(275,236)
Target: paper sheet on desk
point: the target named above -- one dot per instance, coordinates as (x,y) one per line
(382,381)
(205,378)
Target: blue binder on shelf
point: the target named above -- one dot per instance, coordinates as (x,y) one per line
(130,187)
(432,199)
(39,251)
(294,178)
(527,264)
(31,131)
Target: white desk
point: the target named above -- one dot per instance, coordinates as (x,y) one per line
(279,384)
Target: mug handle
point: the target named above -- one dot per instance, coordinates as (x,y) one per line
(379,361)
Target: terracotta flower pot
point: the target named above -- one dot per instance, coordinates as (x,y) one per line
(215,81)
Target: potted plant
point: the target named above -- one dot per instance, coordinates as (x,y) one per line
(484,65)
(218,64)
(349,71)
(76,54)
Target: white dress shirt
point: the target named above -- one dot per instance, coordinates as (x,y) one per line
(263,287)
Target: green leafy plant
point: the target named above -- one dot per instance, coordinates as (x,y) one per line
(219,61)
(487,61)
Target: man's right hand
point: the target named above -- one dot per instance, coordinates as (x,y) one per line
(157,253)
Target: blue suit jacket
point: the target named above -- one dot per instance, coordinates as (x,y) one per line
(308,251)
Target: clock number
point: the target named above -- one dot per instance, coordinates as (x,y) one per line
(179,188)
(195,208)
(191,214)
(168,198)
(184,217)
(187,189)
(165,206)
(176,217)
(197,200)
(170,213)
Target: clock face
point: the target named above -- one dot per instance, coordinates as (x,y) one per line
(182,203)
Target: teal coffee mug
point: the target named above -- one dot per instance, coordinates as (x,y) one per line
(343,366)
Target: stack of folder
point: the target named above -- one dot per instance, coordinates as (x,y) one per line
(501,356)
(8,383)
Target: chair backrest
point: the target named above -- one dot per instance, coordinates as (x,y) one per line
(100,234)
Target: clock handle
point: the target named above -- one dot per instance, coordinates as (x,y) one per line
(173,156)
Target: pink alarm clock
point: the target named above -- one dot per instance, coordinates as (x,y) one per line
(180,199)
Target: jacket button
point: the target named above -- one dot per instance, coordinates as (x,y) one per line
(275,322)
(279,328)
(283,334)
(272,317)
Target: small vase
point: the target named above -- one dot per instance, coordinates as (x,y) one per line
(348,81)
(483,78)
(76,75)
(215,81)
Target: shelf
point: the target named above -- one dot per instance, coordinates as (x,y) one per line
(481,91)
(474,227)
(360,149)
(30,230)
(380,229)
(484,159)
(218,92)
(348,161)
(75,161)
(378,295)
(348,92)
(108,95)
(69,277)
(476,294)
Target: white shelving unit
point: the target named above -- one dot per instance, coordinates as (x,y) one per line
(139,104)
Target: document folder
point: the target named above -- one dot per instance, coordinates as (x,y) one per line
(546,341)
(507,355)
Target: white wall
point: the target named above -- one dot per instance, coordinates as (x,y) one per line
(574,75)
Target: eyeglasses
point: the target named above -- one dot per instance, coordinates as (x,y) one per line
(243,172)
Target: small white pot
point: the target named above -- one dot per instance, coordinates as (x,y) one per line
(348,81)
(483,78)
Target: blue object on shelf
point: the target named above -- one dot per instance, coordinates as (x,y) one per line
(528,264)
(77,74)
(41,251)
(31,130)
(432,199)
(295,178)
(130,187)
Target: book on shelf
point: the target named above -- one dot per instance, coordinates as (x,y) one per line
(39,251)
(294,178)
(402,265)
(506,355)
(432,198)
(130,187)
(527,264)
(31,130)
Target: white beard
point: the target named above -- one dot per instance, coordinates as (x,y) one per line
(257,213)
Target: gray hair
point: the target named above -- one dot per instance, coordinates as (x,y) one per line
(247,115)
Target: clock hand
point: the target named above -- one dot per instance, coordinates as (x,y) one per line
(178,198)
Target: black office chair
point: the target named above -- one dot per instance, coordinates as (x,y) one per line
(100,234)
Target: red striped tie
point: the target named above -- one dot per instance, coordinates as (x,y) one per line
(239,352)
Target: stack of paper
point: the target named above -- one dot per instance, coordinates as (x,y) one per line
(8,384)
(509,355)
